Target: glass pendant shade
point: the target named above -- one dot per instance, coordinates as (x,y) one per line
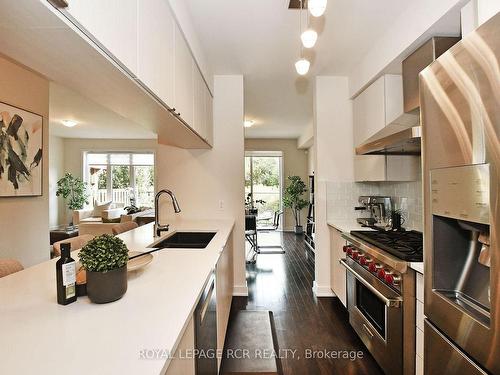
(309,38)
(302,66)
(317,7)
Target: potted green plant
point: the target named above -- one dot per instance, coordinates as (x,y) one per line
(74,192)
(105,261)
(292,198)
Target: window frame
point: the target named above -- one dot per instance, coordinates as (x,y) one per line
(109,165)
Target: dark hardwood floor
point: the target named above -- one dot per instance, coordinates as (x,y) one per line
(283,283)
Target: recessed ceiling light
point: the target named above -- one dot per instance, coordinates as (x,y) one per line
(248,123)
(69,123)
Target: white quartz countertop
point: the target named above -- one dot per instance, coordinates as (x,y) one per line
(346,225)
(39,336)
(418,266)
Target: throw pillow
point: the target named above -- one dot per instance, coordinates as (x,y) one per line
(99,208)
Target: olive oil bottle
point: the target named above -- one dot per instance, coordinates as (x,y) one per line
(66,276)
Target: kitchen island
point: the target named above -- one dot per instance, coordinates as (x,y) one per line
(40,336)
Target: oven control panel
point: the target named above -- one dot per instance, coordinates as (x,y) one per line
(377,268)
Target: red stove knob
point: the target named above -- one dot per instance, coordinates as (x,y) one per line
(381,273)
(349,250)
(389,278)
(374,267)
(355,255)
(362,260)
(345,248)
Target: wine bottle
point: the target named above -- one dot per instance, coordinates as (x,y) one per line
(66,276)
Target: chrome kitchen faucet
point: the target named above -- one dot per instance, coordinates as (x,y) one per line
(158,228)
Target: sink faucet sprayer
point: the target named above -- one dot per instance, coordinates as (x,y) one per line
(158,227)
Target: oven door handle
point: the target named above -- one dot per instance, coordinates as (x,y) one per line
(390,302)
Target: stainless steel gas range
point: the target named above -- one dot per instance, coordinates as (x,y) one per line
(381,294)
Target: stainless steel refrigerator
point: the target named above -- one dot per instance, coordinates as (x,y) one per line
(460,100)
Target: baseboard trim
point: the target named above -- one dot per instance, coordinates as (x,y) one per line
(322,290)
(240,291)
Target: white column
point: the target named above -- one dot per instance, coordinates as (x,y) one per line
(334,149)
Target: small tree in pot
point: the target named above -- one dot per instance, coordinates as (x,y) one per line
(74,191)
(105,260)
(292,198)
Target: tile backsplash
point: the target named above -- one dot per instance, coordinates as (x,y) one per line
(342,197)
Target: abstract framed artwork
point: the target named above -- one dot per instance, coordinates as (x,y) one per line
(21,145)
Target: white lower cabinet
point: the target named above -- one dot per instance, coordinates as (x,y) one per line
(224,285)
(338,273)
(182,363)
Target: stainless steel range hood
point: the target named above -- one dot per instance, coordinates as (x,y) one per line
(401,137)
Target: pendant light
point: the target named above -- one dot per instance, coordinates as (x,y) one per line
(317,7)
(302,65)
(308,37)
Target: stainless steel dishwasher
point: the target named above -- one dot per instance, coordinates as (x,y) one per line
(206,330)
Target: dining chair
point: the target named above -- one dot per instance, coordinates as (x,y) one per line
(9,266)
(76,243)
(124,227)
(251,236)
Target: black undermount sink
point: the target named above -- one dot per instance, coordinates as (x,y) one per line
(186,240)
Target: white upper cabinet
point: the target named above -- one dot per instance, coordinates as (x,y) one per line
(184,81)
(376,107)
(199,118)
(111,23)
(209,120)
(155,46)
(144,38)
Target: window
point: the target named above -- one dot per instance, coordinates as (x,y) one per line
(121,177)
(263,181)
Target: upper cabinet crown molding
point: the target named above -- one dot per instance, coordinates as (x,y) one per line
(376,107)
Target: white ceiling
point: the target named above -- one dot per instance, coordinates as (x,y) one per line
(94,120)
(260,39)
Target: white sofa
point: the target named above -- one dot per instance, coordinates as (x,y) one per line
(89,223)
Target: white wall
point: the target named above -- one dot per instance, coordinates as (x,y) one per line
(487,9)
(24,221)
(56,171)
(423,19)
(209,184)
(333,136)
(311,160)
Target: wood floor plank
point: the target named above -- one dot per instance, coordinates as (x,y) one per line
(282,283)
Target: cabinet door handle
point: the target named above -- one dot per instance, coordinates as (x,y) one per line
(368,331)
(60,3)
